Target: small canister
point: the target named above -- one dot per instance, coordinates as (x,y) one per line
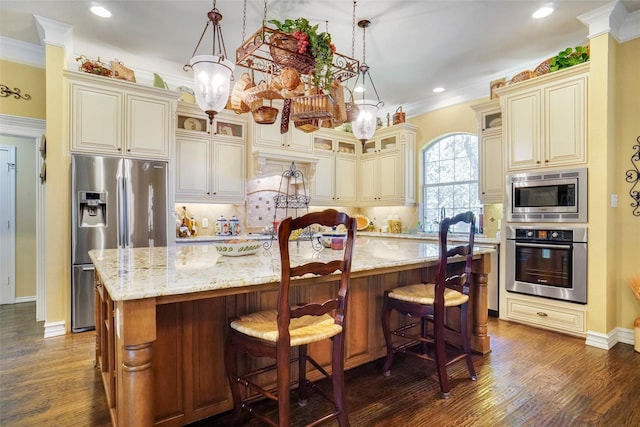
(234,226)
(399,116)
(222,226)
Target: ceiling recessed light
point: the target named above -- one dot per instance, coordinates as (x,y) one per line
(100,11)
(542,12)
(438,89)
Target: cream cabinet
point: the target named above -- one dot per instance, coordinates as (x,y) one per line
(545,313)
(210,166)
(387,171)
(269,136)
(113,117)
(335,178)
(491,170)
(545,120)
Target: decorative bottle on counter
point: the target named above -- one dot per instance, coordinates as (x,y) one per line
(234,226)
(481,222)
(222,226)
(193,228)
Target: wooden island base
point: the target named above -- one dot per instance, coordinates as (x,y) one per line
(162,358)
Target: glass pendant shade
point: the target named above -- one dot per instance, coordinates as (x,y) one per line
(365,125)
(212,82)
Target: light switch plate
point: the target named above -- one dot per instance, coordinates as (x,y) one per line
(205,222)
(614,200)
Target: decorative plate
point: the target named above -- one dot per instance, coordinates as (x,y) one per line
(192,124)
(226,130)
(238,248)
(363,222)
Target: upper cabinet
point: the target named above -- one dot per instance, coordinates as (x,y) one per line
(387,174)
(269,136)
(490,150)
(545,120)
(335,178)
(113,117)
(210,159)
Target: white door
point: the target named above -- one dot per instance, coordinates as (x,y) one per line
(7,224)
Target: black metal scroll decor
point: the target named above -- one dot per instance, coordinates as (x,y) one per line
(6,92)
(633,176)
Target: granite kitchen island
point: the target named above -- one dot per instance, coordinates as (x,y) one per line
(161,317)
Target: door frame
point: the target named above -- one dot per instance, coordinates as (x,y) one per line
(33,128)
(10,296)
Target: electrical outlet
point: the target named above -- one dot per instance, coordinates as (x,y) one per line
(614,200)
(205,222)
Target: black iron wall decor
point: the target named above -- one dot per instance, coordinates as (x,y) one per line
(633,177)
(6,92)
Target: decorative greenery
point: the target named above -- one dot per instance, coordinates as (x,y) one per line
(310,40)
(568,58)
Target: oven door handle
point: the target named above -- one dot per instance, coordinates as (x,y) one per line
(549,246)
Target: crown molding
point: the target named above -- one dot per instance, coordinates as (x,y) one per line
(612,18)
(54,32)
(22,52)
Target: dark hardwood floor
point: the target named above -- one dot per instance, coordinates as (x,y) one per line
(531,378)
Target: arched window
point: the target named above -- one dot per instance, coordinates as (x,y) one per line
(450,166)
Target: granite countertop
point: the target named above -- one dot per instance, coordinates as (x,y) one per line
(151,272)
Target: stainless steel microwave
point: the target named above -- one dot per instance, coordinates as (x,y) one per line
(550,196)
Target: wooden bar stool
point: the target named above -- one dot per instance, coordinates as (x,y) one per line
(428,303)
(273,333)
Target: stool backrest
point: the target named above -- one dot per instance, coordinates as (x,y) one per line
(327,218)
(458,282)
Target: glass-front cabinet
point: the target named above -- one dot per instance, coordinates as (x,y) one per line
(491,176)
(335,180)
(387,171)
(210,166)
(379,144)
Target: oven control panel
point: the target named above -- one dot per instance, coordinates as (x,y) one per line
(548,235)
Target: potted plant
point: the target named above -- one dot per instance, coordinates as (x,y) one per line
(568,58)
(309,41)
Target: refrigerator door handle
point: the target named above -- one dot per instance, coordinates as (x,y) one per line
(92,268)
(122,206)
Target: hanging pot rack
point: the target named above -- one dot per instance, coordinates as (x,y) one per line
(256,53)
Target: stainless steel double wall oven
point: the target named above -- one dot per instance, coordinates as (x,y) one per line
(547,259)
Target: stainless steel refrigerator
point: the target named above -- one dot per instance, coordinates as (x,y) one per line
(116,203)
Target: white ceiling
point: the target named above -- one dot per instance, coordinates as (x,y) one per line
(412,45)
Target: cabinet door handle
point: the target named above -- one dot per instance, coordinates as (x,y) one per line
(128,149)
(538,162)
(542,314)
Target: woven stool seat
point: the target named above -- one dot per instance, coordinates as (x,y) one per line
(303,330)
(424,293)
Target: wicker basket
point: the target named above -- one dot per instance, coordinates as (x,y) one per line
(320,106)
(237,104)
(265,115)
(284,52)
(307,126)
(543,68)
(520,77)
(262,90)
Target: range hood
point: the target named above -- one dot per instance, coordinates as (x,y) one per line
(267,163)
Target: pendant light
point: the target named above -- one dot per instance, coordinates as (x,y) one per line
(364,90)
(212,74)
